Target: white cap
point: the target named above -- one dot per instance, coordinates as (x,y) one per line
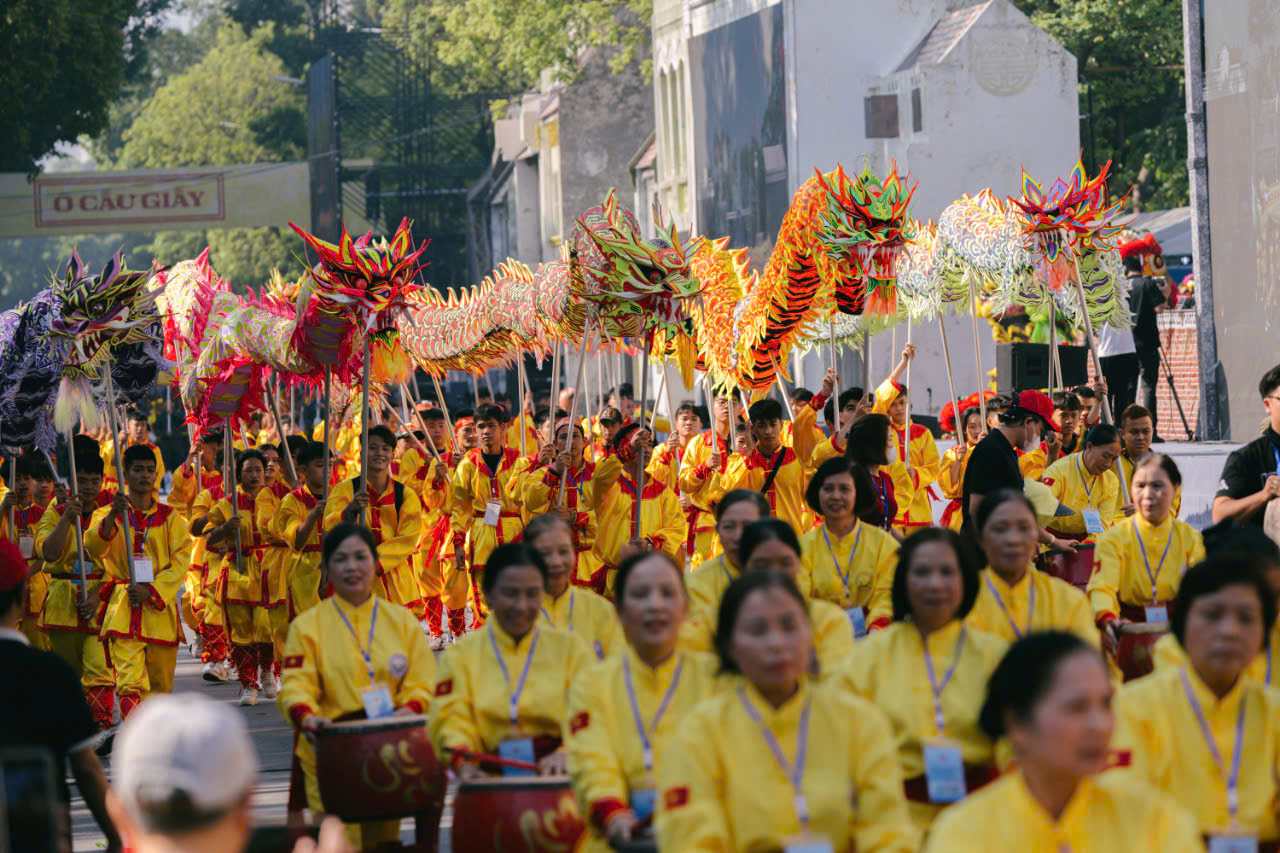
(183,743)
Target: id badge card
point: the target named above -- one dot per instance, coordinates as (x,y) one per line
(1092,520)
(143,570)
(492,512)
(944,772)
(27,545)
(858,619)
(807,843)
(644,802)
(517,749)
(1158,614)
(1229,842)
(377,702)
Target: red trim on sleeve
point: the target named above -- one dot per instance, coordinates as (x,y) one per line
(675,798)
(154,597)
(415,706)
(817,401)
(299,712)
(580,721)
(292,662)
(603,809)
(879,624)
(1104,618)
(444,688)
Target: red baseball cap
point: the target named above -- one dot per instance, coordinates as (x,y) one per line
(13,566)
(1036,403)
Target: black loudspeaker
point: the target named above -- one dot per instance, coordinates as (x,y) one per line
(1023,366)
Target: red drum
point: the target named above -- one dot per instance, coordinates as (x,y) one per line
(379,769)
(1075,569)
(526,814)
(1135,647)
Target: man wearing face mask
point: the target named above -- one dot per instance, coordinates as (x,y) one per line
(993,465)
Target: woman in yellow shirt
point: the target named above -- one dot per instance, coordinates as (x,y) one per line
(954,462)
(1014,598)
(847,562)
(625,712)
(707,582)
(770,545)
(1202,732)
(1086,482)
(353,656)
(504,688)
(928,672)
(778,760)
(1051,697)
(565,606)
(1140,562)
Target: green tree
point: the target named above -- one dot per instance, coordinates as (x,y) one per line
(228,108)
(1131,70)
(64,63)
(504,45)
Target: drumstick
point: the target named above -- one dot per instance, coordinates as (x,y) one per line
(486,758)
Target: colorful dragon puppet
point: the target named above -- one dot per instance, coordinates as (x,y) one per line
(626,285)
(225,344)
(837,253)
(31,369)
(109,318)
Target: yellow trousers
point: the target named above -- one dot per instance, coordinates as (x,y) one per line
(362,836)
(35,635)
(85,654)
(250,624)
(143,668)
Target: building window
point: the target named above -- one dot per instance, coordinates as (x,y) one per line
(673,163)
(917,111)
(881,114)
(549,171)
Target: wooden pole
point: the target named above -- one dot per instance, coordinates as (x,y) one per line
(233,496)
(951,382)
(75,488)
(573,408)
(328,427)
(364,426)
(977,355)
(444,407)
(284,445)
(406,398)
(1097,365)
(639,477)
(520,398)
(835,391)
(115,445)
(906,439)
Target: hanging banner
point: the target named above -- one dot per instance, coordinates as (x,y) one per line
(244,196)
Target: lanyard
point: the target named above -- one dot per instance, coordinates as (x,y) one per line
(552,622)
(1031,608)
(793,772)
(938,718)
(366,651)
(1146,562)
(142,526)
(513,702)
(853,553)
(1233,778)
(645,743)
(884,501)
(1275,451)
(1088,491)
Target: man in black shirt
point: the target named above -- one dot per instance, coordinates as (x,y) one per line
(44,706)
(993,464)
(1251,477)
(1145,296)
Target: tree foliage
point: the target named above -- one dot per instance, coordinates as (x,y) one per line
(504,45)
(1131,69)
(64,63)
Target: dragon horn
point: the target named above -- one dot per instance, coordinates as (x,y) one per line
(75,268)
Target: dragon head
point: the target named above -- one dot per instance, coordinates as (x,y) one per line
(866,223)
(637,284)
(371,277)
(98,313)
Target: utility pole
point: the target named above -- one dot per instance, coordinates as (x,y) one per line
(1211,397)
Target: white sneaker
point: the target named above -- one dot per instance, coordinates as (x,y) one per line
(270,687)
(248,696)
(215,671)
(439,643)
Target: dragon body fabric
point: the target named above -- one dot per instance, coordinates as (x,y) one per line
(612,279)
(226,344)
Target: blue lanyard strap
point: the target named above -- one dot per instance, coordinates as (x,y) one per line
(547,614)
(645,744)
(366,651)
(513,702)
(1146,561)
(1084,481)
(853,554)
(938,718)
(793,772)
(1031,608)
(1232,778)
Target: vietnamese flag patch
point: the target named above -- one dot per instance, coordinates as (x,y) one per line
(445,687)
(292,662)
(580,721)
(675,798)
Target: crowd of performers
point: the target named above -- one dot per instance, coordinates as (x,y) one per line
(780,650)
